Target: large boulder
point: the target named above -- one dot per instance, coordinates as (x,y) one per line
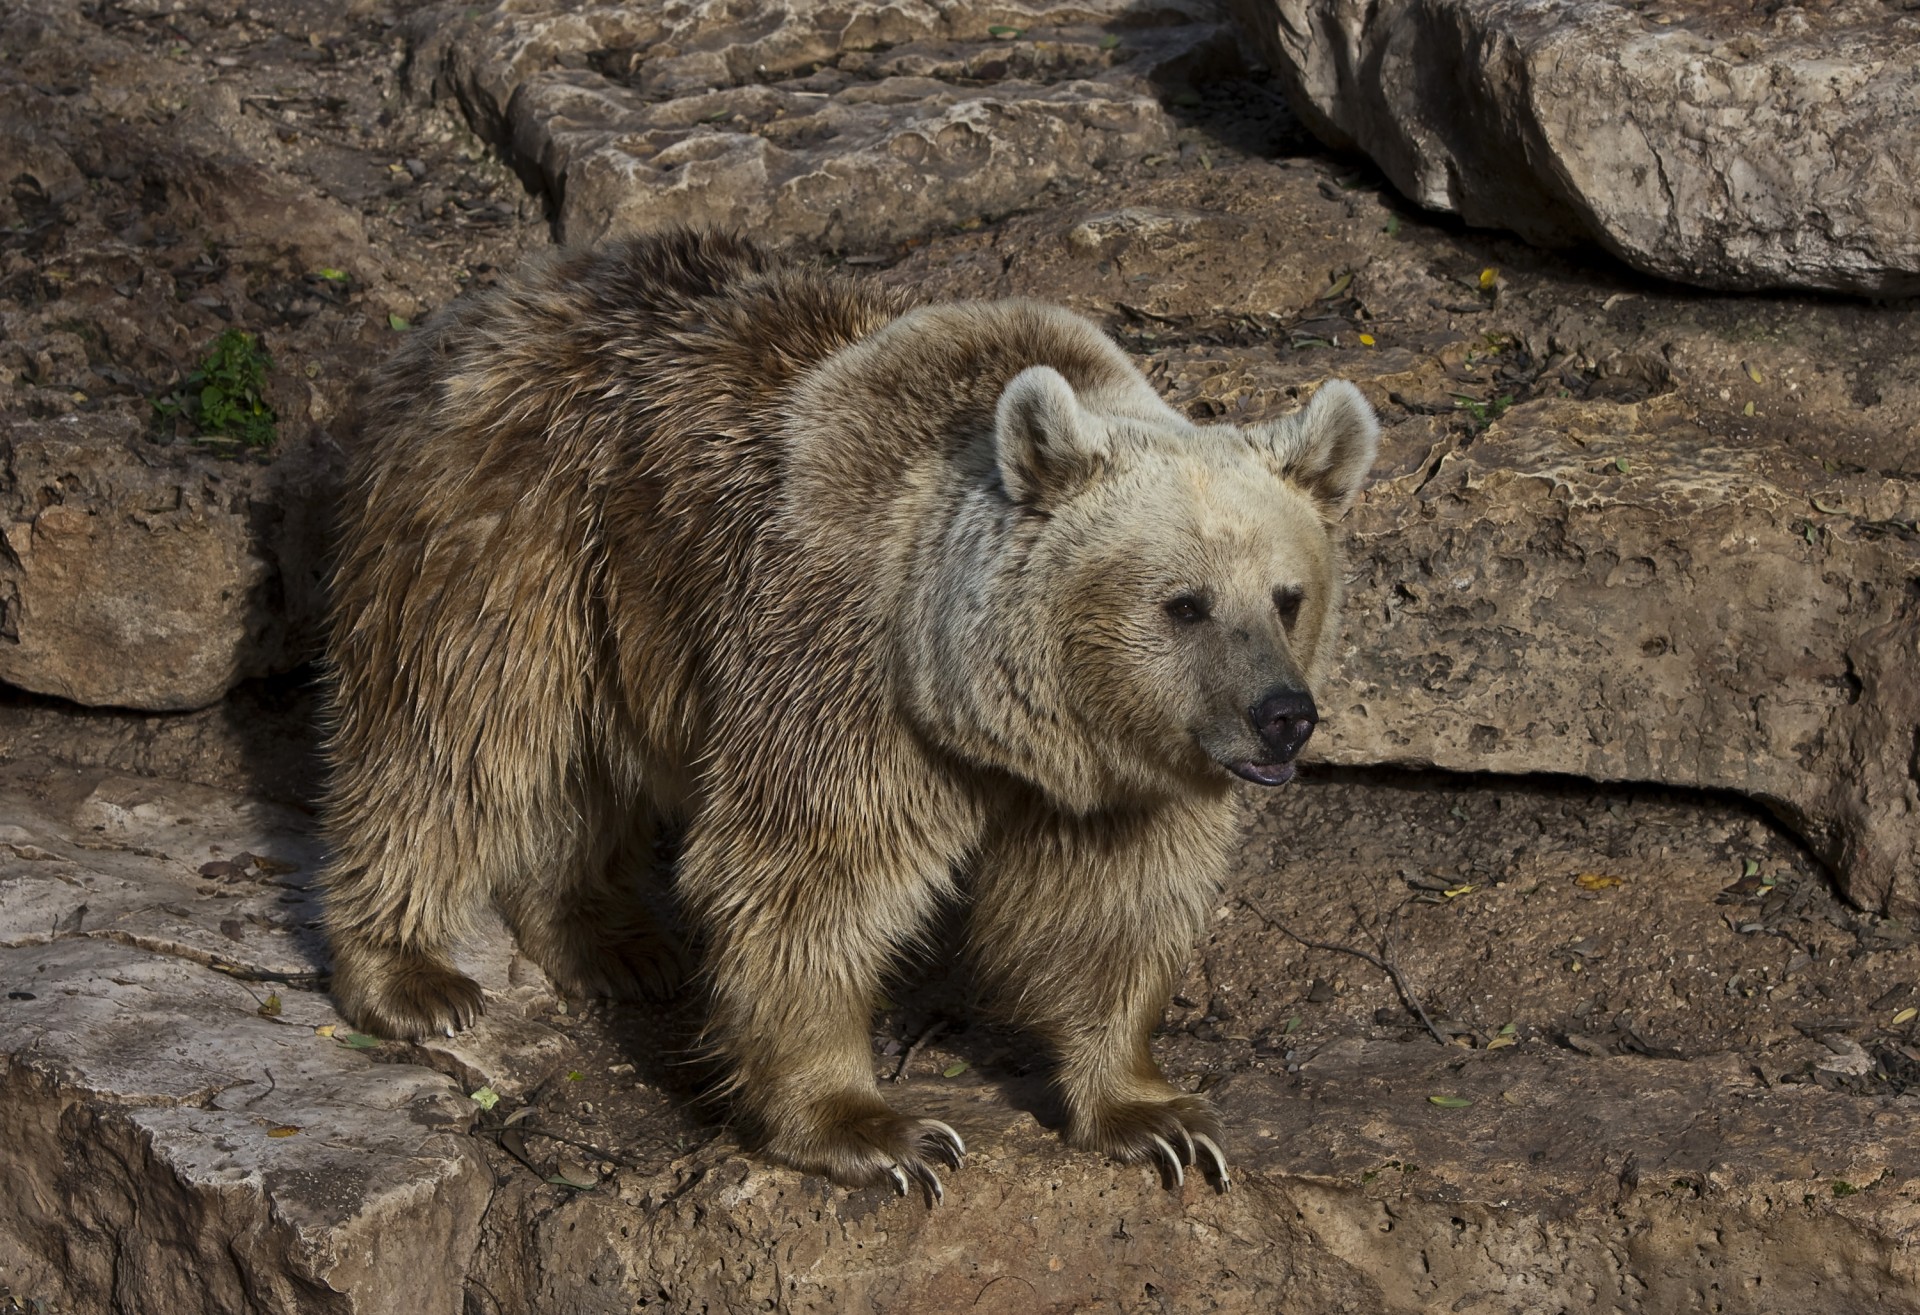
(1699,142)
(1617,592)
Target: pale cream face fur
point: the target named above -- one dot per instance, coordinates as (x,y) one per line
(1180,519)
(1112,523)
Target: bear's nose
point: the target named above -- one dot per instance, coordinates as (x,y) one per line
(1285,718)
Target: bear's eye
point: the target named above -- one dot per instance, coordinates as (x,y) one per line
(1187,609)
(1287,600)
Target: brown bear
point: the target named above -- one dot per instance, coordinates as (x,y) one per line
(885,605)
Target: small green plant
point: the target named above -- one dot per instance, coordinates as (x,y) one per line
(224,400)
(1483,413)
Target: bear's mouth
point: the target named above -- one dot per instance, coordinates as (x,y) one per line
(1263,773)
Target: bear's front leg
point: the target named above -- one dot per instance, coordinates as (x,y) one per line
(798,933)
(1082,924)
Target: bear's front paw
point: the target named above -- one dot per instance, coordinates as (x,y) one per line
(874,1147)
(404,996)
(1172,1133)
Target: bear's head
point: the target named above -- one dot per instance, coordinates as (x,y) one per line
(1181,581)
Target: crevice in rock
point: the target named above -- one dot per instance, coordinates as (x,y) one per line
(314,982)
(1558,785)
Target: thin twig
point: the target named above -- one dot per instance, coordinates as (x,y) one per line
(259,1096)
(1387,966)
(934,1029)
(528,1130)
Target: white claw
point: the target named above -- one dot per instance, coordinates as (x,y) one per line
(957,1139)
(1173,1158)
(933,1180)
(1219,1160)
(899,1179)
(1193,1156)
(448,1029)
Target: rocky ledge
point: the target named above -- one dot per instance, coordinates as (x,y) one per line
(1645,1122)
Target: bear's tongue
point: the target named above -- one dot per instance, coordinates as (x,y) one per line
(1265,773)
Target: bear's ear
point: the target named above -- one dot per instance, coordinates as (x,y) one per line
(1046,446)
(1328,447)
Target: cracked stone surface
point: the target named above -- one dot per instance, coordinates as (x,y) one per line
(1722,144)
(134,578)
(840,125)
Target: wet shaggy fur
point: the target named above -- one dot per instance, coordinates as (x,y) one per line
(884,605)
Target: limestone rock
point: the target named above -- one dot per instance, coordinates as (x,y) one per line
(837,125)
(1617,594)
(136,576)
(178,1121)
(1703,143)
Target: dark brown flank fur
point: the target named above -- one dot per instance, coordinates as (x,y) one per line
(602,574)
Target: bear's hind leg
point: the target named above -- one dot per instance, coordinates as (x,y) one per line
(1081,925)
(585,920)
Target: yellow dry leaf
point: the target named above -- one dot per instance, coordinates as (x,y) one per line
(1596,881)
(1457,891)
(1366,339)
(1488,275)
(1753,373)
(1747,410)
(284,1130)
(1906,1015)
(325,1029)
(1500,1041)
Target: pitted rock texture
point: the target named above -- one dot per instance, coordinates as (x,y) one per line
(168,173)
(1726,144)
(1623,594)
(133,576)
(839,125)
